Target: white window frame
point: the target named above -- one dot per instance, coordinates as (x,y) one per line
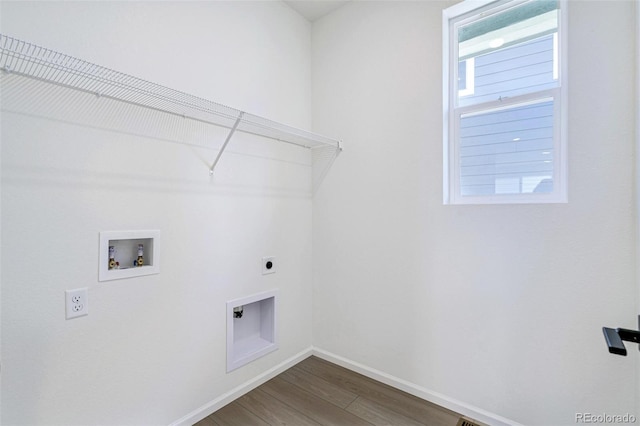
(452,17)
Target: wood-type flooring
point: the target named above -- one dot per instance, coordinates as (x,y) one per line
(316,392)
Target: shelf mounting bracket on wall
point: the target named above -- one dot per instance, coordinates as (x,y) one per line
(226,142)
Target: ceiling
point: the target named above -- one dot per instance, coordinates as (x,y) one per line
(315,9)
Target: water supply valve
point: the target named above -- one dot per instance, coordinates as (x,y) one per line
(238,311)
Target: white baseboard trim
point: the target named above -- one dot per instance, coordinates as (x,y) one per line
(426,394)
(404,385)
(224,399)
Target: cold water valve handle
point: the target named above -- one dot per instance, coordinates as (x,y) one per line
(615,338)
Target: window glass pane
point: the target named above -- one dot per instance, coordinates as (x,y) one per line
(514,52)
(507,150)
(466,77)
(462,75)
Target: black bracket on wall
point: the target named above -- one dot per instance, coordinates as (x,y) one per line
(615,338)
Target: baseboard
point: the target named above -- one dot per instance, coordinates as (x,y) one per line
(426,394)
(213,406)
(404,385)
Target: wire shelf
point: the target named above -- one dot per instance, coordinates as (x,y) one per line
(45,65)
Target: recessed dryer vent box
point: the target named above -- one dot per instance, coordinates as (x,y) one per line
(126,254)
(251,328)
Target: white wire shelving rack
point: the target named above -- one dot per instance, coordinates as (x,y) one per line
(28,60)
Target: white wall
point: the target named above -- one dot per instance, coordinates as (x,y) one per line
(495,307)
(636,159)
(152,349)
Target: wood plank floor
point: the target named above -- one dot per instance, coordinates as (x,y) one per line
(316,392)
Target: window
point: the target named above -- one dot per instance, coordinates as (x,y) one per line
(504,100)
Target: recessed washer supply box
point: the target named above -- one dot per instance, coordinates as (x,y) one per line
(126,250)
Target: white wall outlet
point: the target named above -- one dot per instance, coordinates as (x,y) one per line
(76,302)
(268,265)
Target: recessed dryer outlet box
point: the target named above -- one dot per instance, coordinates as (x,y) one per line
(251,334)
(268,265)
(126,254)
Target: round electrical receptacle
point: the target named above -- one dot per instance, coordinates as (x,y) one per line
(268,265)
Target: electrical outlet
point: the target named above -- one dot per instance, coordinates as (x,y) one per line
(76,302)
(268,265)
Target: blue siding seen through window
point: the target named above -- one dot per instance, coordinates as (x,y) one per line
(523,68)
(508,150)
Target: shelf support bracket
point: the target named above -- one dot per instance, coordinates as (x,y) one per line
(226,142)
